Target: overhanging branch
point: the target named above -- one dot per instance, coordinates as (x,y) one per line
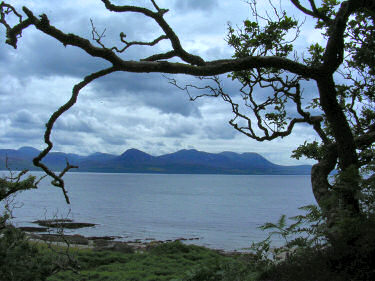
(151,64)
(313,12)
(57,179)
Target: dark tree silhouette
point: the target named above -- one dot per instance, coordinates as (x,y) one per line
(342,113)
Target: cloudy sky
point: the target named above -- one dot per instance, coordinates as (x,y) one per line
(127,110)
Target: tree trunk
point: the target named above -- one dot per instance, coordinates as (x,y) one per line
(321,187)
(347,185)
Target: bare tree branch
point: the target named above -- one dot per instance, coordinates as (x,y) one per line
(14,32)
(57,179)
(248,130)
(139,43)
(196,67)
(164,56)
(64,259)
(158,17)
(97,37)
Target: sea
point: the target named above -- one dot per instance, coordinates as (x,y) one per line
(217,211)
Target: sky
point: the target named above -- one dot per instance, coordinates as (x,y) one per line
(127,110)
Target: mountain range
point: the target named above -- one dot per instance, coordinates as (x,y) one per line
(135,161)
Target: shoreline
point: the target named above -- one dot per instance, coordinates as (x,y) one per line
(44,233)
(109,243)
(51,231)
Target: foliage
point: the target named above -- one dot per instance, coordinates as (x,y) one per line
(16,182)
(235,269)
(310,245)
(339,260)
(341,111)
(168,261)
(305,231)
(21,260)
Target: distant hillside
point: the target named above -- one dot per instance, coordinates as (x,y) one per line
(135,161)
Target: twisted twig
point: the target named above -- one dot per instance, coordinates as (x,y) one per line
(57,179)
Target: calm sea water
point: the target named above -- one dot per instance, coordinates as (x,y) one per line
(223,211)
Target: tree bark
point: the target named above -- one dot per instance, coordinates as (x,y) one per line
(345,146)
(321,187)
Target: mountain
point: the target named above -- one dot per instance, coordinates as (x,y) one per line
(17,159)
(135,161)
(29,151)
(99,157)
(134,156)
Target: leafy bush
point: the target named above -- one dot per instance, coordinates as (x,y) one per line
(314,251)
(227,270)
(20,260)
(170,248)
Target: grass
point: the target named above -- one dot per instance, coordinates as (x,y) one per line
(32,261)
(169,261)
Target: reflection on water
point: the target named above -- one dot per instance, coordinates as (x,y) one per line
(223,211)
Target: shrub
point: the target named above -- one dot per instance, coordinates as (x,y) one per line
(20,260)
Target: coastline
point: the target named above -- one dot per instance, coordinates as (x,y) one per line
(109,243)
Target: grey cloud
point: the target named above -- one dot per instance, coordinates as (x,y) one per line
(128,121)
(41,55)
(173,103)
(178,143)
(72,123)
(115,83)
(195,5)
(180,129)
(147,89)
(155,147)
(17,135)
(157,143)
(25,119)
(117,139)
(216,53)
(64,139)
(220,131)
(46,57)
(4,56)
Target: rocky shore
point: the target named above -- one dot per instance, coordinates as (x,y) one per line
(43,233)
(63,223)
(100,243)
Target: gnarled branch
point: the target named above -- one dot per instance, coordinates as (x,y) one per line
(194,66)
(314,12)
(57,179)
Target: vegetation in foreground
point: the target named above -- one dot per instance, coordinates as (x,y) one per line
(175,261)
(22,260)
(306,255)
(170,261)
(313,250)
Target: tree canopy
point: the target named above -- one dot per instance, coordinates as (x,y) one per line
(341,112)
